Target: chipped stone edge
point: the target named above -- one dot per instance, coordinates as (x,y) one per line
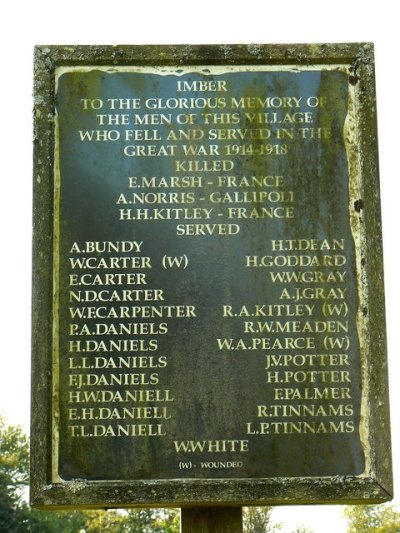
(85,494)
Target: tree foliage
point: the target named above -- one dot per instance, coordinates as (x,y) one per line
(14,460)
(373,519)
(302,529)
(134,521)
(258,520)
(50,522)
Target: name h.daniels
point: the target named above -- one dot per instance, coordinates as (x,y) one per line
(123,345)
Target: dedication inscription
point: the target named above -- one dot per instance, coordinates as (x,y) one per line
(208,324)
(207,288)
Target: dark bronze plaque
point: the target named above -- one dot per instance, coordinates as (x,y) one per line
(213,331)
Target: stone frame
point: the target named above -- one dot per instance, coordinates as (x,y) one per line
(81,493)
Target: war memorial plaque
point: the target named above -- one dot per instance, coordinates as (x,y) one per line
(208,296)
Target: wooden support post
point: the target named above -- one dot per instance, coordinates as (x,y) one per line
(211,520)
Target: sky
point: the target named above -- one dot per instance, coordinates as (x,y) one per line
(178,22)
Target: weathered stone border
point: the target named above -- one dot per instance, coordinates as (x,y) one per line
(179,493)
